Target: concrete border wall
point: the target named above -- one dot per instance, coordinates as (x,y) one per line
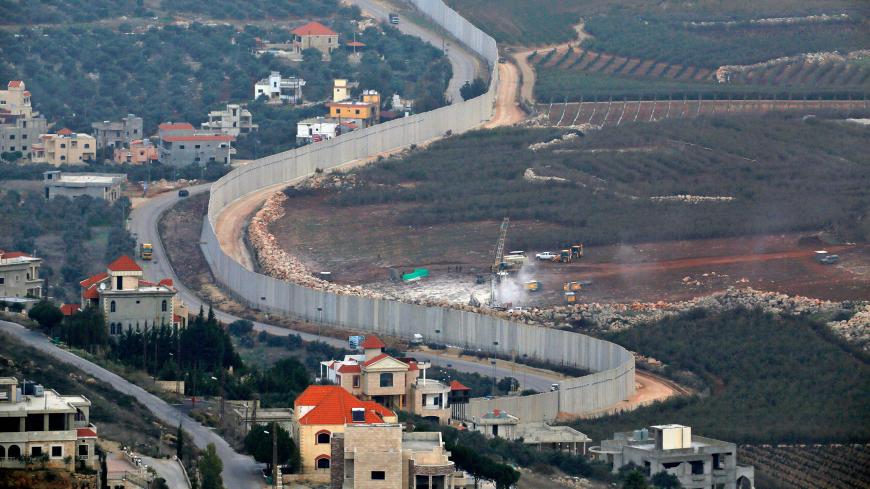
(614,366)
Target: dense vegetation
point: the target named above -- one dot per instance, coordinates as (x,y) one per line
(73,237)
(80,75)
(773,379)
(63,11)
(783,173)
(250,9)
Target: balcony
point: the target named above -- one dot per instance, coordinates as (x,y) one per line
(39,436)
(429,386)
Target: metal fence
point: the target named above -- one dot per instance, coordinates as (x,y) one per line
(614,366)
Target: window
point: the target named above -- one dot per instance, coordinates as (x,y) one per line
(358,415)
(112,307)
(163,306)
(35,451)
(196,146)
(24,148)
(180,146)
(24,136)
(119,283)
(322,437)
(379,475)
(322,462)
(63,145)
(12,136)
(387,379)
(87,145)
(11,148)
(2,280)
(56,451)
(357,111)
(83,450)
(356,380)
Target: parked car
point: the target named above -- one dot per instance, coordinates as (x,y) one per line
(183,193)
(545,255)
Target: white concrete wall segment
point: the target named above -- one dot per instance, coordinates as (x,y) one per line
(614,366)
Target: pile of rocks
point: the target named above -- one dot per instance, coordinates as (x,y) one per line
(543,145)
(530,176)
(691,199)
(855,330)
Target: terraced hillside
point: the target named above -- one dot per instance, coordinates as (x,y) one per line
(571,73)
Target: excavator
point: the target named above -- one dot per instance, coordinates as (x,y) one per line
(568,255)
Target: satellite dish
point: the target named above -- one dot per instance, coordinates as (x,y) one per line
(103,286)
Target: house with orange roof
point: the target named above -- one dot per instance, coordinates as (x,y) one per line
(64,148)
(131,303)
(320,412)
(317,36)
(398,383)
(139,152)
(20,125)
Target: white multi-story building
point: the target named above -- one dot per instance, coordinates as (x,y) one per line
(279,90)
(40,423)
(233,121)
(105,186)
(19,278)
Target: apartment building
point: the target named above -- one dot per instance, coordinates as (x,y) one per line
(698,462)
(19,278)
(106,186)
(181,145)
(129,302)
(382,456)
(364,112)
(235,120)
(278,90)
(393,382)
(315,35)
(139,152)
(319,413)
(20,125)
(117,133)
(65,147)
(42,424)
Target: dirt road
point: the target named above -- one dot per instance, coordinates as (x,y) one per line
(507,110)
(521,57)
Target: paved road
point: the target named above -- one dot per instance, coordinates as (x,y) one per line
(464,64)
(170,470)
(240,471)
(144,224)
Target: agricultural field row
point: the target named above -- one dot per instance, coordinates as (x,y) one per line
(618,112)
(819,466)
(569,74)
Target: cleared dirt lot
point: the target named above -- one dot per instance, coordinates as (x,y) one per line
(457,253)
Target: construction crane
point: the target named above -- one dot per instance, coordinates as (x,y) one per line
(498,253)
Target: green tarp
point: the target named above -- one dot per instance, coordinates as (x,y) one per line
(417,274)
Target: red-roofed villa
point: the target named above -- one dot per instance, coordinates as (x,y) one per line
(315,35)
(398,383)
(129,302)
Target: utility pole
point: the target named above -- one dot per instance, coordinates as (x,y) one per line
(274,454)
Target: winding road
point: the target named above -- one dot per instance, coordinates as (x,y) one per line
(240,471)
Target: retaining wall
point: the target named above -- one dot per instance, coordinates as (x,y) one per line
(614,380)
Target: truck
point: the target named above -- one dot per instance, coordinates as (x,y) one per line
(394,18)
(145,251)
(825,258)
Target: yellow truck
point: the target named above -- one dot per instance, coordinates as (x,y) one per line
(145,251)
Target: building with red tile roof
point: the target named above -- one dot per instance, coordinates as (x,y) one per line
(20,125)
(317,36)
(398,383)
(129,302)
(321,411)
(70,309)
